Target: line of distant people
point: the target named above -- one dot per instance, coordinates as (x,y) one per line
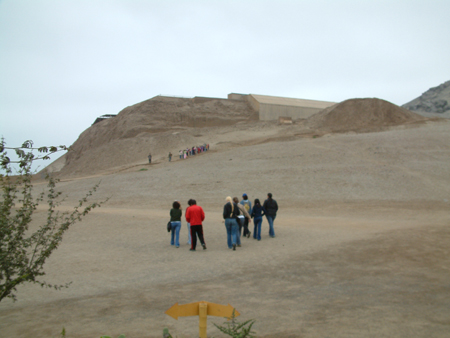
(185,153)
(237,216)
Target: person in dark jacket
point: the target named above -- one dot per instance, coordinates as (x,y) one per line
(271,207)
(258,212)
(248,207)
(230,213)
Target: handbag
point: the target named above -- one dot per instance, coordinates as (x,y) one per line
(169,226)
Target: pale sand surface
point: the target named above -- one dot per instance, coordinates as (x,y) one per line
(361,248)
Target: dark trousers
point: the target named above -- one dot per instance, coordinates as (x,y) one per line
(246,227)
(196,230)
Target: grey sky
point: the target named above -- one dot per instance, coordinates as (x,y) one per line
(64,63)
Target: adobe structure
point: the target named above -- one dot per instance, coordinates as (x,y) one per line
(273,107)
(268,108)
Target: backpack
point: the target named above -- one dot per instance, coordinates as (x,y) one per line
(234,210)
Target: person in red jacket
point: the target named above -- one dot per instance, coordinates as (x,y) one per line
(195,216)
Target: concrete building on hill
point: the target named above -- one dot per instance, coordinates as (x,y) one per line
(274,107)
(269,108)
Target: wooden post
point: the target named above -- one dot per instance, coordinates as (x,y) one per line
(203,315)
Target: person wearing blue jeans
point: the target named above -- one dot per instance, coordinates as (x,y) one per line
(271,208)
(232,232)
(175,220)
(270,220)
(230,213)
(176,227)
(257,228)
(257,214)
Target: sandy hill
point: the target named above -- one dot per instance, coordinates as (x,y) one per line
(166,124)
(158,125)
(434,102)
(362,115)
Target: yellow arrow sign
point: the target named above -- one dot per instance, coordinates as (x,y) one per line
(219,310)
(201,309)
(192,309)
(185,310)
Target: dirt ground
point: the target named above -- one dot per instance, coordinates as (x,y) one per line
(361,247)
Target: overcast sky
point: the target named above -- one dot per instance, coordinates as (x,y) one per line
(65,62)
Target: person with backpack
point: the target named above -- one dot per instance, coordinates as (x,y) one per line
(248,206)
(271,207)
(241,218)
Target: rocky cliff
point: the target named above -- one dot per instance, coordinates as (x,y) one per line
(435,100)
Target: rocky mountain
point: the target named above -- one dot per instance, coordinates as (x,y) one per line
(435,101)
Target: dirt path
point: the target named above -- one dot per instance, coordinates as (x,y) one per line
(368,273)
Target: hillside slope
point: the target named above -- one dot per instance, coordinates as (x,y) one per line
(158,125)
(162,125)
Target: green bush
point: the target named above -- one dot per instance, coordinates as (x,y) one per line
(23,253)
(235,329)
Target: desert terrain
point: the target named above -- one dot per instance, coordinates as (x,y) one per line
(362,233)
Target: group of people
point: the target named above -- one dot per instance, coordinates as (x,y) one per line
(237,215)
(194,218)
(184,154)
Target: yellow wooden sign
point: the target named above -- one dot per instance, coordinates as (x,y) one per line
(201,309)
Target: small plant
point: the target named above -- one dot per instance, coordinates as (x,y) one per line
(143,169)
(166,333)
(235,329)
(121,336)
